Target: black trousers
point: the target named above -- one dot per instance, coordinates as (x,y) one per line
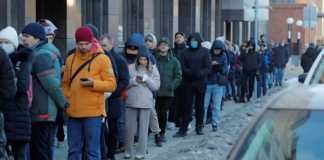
(248,81)
(18,149)
(112,137)
(60,126)
(162,107)
(42,140)
(193,93)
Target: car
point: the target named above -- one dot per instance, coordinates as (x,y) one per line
(292,125)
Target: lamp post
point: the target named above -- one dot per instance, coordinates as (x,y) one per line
(290,22)
(299,23)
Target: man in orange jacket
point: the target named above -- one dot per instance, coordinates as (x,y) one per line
(87,76)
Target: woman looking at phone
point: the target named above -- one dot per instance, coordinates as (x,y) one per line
(144,78)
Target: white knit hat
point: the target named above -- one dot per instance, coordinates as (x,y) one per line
(10,34)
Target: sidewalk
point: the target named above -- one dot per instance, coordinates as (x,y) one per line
(212,145)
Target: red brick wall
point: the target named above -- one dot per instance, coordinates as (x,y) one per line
(278,27)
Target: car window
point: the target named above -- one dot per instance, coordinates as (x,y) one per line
(318,76)
(285,135)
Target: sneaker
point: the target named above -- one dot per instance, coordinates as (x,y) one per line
(199,132)
(127,156)
(139,157)
(163,139)
(171,125)
(158,140)
(214,128)
(180,134)
(189,126)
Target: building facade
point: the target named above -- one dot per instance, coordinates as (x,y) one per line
(119,18)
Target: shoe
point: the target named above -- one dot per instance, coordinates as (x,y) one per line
(180,134)
(139,157)
(120,149)
(241,100)
(199,131)
(158,140)
(127,156)
(171,125)
(162,138)
(214,128)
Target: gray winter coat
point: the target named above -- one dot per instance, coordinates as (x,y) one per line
(140,95)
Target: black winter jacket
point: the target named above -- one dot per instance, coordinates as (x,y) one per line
(308,59)
(17,116)
(7,83)
(196,63)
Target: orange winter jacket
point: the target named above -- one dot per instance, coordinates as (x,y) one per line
(88,101)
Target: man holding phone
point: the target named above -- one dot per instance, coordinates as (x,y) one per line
(87,76)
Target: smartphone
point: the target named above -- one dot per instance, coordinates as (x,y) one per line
(84,79)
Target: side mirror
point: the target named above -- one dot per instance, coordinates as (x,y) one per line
(302,77)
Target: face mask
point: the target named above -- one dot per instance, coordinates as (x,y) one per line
(194,44)
(131,56)
(8,48)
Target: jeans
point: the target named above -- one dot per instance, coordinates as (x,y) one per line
(262,85)
(270,79)
(121,126)
(214,93)
(42,140)
(84,131)
(279,74)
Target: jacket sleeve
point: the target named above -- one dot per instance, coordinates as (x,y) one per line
(44,70)
(123,73)
(207,66)
(7,83)
(177,74)
(66,78)
(153,81)
(107,83)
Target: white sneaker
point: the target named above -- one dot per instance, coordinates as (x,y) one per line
(127,156)
(171,125)
(189,126)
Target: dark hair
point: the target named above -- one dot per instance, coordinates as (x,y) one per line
(106,36)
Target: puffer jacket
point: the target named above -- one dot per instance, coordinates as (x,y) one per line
(220,68)
(170,73)
(140,95)
(17,116)
(7,83)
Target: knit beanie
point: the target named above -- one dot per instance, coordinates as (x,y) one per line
(84,34)
(35,30)
(9,34)
(94,30)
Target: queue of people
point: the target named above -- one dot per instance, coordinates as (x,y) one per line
(110,98)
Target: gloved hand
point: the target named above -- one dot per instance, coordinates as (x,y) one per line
(124,95)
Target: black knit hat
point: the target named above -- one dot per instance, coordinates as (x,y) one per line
(36,30)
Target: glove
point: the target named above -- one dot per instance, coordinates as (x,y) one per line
(124,95)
